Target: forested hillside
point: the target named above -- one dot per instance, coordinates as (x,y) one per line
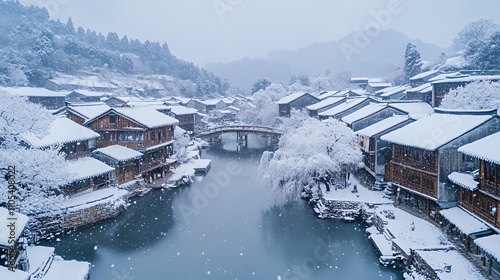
(33,48)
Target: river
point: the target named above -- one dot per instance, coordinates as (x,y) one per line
(223,227)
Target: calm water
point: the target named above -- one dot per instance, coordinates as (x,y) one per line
(223,227)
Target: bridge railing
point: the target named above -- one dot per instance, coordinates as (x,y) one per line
(243,128)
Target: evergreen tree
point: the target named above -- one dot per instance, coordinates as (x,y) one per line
(260,84)
(488,54)
(69,26)
(412,61)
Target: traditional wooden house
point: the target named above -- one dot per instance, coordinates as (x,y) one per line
(484,199)
(425,152)
(11,236)
(84,96)
(142,129)
(345,108)
(74,140)
(423,78)
(369,115)
(373,87)
(126,161)
(441,87)
(422,93)
(326,94)
(82,113)
(489,249)
(393,93)
(297,101)
(116,102)
(323,105)
(51,100)
(376,152)
(185,116)
(88,174)
(360,82)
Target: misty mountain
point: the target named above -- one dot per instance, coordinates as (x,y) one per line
(367,59)
(34,48)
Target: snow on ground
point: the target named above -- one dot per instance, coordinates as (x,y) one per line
(38,257)
(363,194)
(61,269)
(466,223)
(92,198)
(20,220)
(185,170)
(424,235)
(6,274)
(461,268)
(490,244)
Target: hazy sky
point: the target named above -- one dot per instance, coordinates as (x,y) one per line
(224,30)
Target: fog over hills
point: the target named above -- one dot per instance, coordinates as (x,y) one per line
(361,58)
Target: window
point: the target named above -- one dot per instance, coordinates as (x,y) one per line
(112,121)
(489,172)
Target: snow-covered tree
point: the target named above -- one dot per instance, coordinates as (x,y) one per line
(264,110)
(260,84)
(474,96)
(39,173)
(321,83)
(413,64)
(314,152)
(300,79)
(488,54)
(182,140)
(478,31)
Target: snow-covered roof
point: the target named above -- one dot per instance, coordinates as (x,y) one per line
(159,145)
(394,90)
(20,220)
(434,131)
(88,167)
(6,274)
(382,126)
(33,92)
(486,148)
(89,93)
(424,75)
(464,180)
(89,112)
(61,269)
(466,223)
(445,76)
(377,80)
(324,103)
(146,116)
(119,153)
(422,88)
(38,256)
(359,79)
(413,107)
(364,112)
(490,244)
(236,109)
(291,97)
(468,79)
(181,110)
(62,130)
(212,102)
(327,94)
(348,104)
(129,98)
(379,84)
(461,268)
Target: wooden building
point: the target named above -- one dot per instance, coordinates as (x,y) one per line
(69,83)
(423,78)
(74,140)
(143,129)
(51,100)
(82,113)
(325,104)
(185,116)
(6,236)
(422,93)
(350,105)
(441,87)
(84,96)
(425,152)
(126,161)
(297,101)
(484,200)
(376,152)
(392,93)
(116,102)
(373,87)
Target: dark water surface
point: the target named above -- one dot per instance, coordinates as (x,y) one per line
(223,227)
